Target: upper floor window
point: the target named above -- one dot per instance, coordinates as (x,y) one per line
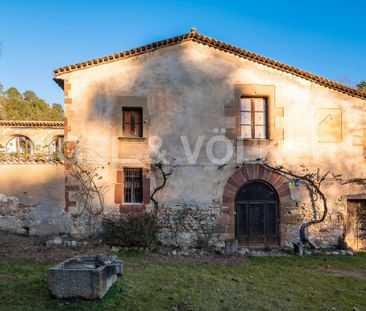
(20,144)
(57,145)
(253,118)
(132,185)
(132,122)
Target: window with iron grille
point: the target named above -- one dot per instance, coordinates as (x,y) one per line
(57,145)
(132,122)
(132,185)
(20,144)
(253,118)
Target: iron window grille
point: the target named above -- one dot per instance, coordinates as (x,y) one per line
(133,185)
(20,145)
(57,145)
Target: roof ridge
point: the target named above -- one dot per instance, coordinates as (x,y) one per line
(126,53)
(281,66)
(226,47)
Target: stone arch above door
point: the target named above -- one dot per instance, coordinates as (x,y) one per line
(237,180)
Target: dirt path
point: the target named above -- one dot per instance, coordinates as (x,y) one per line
(15,247)
(358,274)
(18,248)
(212,259)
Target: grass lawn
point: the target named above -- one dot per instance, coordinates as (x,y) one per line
(264,283)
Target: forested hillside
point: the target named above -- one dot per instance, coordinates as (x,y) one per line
(15,105)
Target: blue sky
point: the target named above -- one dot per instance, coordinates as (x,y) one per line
(327,38)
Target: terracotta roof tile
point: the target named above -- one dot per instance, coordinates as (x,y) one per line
(23,123)
(193,35)
(29,159)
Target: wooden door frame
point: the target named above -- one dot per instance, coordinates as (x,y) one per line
(247,203)
(353,222)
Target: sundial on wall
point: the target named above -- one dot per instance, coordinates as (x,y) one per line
(329,122)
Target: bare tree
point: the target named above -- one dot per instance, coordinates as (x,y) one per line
(356,181)
(165,174)
(165,169)
(88,191)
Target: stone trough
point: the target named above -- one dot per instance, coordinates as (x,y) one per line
(87,277)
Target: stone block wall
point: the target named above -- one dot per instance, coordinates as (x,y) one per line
(190,226)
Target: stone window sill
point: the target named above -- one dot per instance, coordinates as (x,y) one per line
(132,207)
(257,142)
(137,139)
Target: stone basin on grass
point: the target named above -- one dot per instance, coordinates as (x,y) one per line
(88,277)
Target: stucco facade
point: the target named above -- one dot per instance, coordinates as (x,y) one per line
(40,133)
(190,93)
(32,183)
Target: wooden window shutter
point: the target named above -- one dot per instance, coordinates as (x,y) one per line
(118,187)
(132,122)
(126,122)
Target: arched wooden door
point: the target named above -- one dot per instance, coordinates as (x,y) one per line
(257,215)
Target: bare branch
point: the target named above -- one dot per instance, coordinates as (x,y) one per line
(88,188)
(314,181)
(165,175)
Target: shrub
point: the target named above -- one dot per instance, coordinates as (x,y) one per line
(133,229)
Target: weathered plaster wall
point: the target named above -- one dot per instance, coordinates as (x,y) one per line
(187,88)
(32,199)
(41,137)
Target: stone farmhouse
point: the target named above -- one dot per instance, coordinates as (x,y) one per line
(212,113)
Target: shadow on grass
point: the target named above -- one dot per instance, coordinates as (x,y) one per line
(268,283)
